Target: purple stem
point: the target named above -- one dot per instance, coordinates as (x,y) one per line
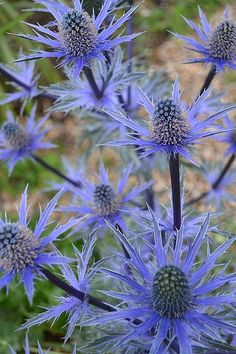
(176,193)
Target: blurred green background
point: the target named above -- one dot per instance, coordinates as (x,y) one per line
(153,17)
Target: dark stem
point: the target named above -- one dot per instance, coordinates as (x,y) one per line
(175,187)
(79,294)
(91,80)
(55,171)
(217,182)
(208,80)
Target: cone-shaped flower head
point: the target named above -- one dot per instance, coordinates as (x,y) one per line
(106,200)
(216,45)
(172,293)
(173,127)
(79,36)
(22,250)
(18,141)
(103,201)
(168,125)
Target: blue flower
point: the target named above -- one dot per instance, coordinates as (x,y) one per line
(18,141)
(103,202)
(23,79)
(216,46)
(79,38)
(22,250)
(172,127)
(76,309)
(171,294)
(111,80)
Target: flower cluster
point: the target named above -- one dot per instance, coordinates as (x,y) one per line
(142,275)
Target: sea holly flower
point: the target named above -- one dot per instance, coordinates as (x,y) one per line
(82,280)
(78,37)
(18,141)
(172,128)
(23,79)
(23,250)
(170,295)
(102,201)
(216,46)
(111,80)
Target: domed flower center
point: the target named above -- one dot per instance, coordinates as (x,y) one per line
(78,33)
(106,200)
(93,6)
(222,42)
(168,126)
(18,247)
(16,137)
(171,293)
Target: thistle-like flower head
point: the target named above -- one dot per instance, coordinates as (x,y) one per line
(102,201)
(79,36)
(173,127)
(18,141)
(217,45)
(22,250)
(171,293)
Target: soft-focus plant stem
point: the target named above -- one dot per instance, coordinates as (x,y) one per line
(208,80)
(91,80)
(55,171)
(217,182)
(175,187)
